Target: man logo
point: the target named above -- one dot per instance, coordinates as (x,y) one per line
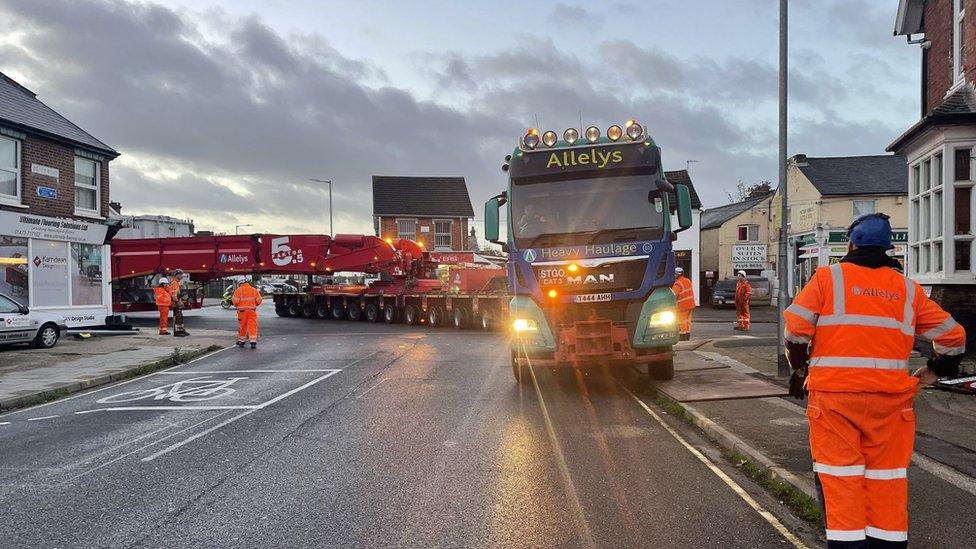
(529,255)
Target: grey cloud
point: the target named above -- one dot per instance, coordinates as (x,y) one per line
(576,16)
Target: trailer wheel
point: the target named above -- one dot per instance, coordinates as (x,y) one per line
(487,323)
(372,312)
(337,311)
(661,371)
(435,317)
(411,316)
(321,311)
(294,307)
(390,314)
(460,318)
(355,312)
(281,309)
(308,309)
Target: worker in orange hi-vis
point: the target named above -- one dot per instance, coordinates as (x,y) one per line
(246,299)
(686,303)
(852,327)
(743,291)
(174,289)
(164,300)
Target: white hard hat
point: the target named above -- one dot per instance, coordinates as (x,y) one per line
(241,279)
(679,270)
(741,273)
(163,280)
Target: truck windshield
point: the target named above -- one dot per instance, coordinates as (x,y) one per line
(585,211)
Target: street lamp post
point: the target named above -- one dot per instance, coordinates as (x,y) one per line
(238,227)
(329,183)
(782,365)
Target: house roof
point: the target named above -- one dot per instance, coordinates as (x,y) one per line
(857,175)
(20,108)
(681,177)
(421,196)
(715,217)
(958,108)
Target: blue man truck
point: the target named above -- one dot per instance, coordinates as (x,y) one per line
(590,263)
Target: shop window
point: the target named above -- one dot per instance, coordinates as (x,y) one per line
(962,210)
(748,233)
(49,270)
(86,274)
(9,170)
(937,212)
(925,223)
(963,250)
(86,185)
(407,228)
(926,178)
(864,207)
(937,256)
(14,267)
(961,172)
(442,234)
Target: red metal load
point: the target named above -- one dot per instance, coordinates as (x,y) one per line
(294,254)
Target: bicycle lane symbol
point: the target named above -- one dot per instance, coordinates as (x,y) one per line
(196,389)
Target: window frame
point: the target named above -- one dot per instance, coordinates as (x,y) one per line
(96,187)
(747,227)
(958,42)
(873,201)
(400,234)
(449,234)
(7,199)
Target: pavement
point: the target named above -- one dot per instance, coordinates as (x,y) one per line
(758,314)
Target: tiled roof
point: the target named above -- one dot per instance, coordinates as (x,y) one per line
(421,196)
(715,217)
(681,177)
(854,175)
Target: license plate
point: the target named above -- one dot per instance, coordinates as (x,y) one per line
(591,298)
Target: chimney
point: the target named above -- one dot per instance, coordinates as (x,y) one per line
(117,206)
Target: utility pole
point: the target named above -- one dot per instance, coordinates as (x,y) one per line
(783,367)
(328,182)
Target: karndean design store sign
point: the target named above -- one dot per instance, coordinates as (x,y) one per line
(51,228)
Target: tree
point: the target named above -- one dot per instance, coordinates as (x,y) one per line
(745,192)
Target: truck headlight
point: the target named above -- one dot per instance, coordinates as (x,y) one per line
(525,325)
(663,318)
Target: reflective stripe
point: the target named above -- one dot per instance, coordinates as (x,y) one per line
(869,321)
(942,329)
(909,317)
(845,535)
(947,351)
(886,474)
(803,312)
(839,470)
(859,362)
(793,338)
(837,278)
(887,535)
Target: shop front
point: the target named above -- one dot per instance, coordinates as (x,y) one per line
(812,251)
(56,265)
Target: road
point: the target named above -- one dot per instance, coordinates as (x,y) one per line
(340,434)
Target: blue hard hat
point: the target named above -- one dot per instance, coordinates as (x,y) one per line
(871,230)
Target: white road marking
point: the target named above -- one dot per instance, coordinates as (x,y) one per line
(43,417)
(198,372)
(4,423)
(769,517)
(89,411)
(371,388)
(136,408)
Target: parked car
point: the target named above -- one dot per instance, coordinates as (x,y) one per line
(723,295)
(18,324)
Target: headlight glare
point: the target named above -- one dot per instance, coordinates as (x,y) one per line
(663,318)
(524,325)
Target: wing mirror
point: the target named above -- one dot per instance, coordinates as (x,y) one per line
(23,310)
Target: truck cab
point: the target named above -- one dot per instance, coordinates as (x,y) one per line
(590,263)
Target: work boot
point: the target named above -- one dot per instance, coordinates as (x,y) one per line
(164,332)
(254,345)
(180,333)
(240,344)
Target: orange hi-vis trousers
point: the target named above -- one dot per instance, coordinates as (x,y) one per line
(247,325)
(862,445)
(742,317)
(684,321)
(163,318)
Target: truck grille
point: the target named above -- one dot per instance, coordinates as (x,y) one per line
(611,277)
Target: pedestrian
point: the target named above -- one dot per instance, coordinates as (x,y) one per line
(246,298)
(685,294)
(852,327)
(174,290)
(743,291)
(164,300)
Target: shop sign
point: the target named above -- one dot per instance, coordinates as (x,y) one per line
(749,256)
(51,228)
(840,237)
(682,254)
(806,239)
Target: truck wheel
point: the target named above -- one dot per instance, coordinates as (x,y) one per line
(321,311)
(294,308)
(281,309)
(487,323)
(661,371)
(435,317)
(460,318)
(411,316)
(390,314)
(372,312)
(521,373)
(337,311)
(355,313)
(308,309)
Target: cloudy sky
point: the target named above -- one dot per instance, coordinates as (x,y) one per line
(223,109)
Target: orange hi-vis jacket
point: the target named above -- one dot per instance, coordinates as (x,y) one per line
(163,297)
(861,324)
(246,297)
(684,292)
(174,288)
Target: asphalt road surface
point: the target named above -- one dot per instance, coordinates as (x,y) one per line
(341,434)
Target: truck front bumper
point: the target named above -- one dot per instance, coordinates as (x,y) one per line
(592,343)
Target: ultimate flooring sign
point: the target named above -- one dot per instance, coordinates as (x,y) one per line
(749,256)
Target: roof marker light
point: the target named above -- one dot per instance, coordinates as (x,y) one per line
(549,138)
(614,132)
(634,130)
(570,135)
(592,134)
(531,139)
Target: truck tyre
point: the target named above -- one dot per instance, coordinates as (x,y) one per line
(355,312)
(308,309)
(411,316)
(372,312)
(661,371)
(390,314)
(521,373)
(321,311)
(337,311)
(460,318)
(281,309)
(435,317)
(486,321)
(294,307)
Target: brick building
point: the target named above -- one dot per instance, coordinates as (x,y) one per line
(939,149)
(435,211)
(54,203)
